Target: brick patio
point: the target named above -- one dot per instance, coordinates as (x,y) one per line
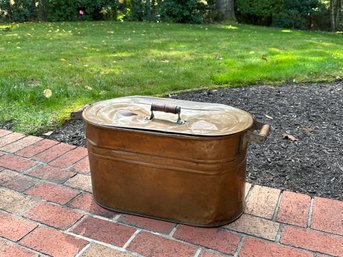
(46,208)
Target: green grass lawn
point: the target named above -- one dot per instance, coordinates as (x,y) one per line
(83,62)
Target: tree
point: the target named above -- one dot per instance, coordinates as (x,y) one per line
(335,13)
(226,9)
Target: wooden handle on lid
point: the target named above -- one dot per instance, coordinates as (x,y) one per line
(167,109)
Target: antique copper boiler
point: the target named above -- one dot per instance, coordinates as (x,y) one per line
(170,159)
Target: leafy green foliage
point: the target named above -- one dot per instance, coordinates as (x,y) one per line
(18,10)
(190,11)
(62,10)
(296,14)
(179,11)
(70,10)
(142,10)
(98,9)
(57,10)
(257,12)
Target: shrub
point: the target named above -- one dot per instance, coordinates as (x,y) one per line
(19,10)
(190,11)
(97,9)
(142,10)
(180,11)
(258,12)
(296,14)
(70,10)
(62,10)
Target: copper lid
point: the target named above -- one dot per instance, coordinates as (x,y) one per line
(191,118)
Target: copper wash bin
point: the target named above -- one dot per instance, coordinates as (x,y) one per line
(170,159)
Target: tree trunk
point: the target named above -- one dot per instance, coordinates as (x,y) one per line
(335,11)
(338,13)
(148,10)
(332,15)
(226,9)
(42,10)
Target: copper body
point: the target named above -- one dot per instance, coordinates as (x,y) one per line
(197,180)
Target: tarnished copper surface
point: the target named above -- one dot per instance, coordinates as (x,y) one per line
(200,118)
(191,179)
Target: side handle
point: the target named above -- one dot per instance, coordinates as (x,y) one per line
(261,137)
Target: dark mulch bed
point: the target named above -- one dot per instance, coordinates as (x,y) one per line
(312,113)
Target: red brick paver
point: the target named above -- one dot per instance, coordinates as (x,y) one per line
(53,152)
(4,132)
(148,244)
(82,166)
(149,224)
(20,144)
(213,238)
(255,226)
(8,249)
(104,231)
(14,228)
(70,157)
(86,203)
(53,242)
(16,181)
(53,174)
(54,193)
(328,215)
(257,248)
(36,148)
(262,201)
(49,210)
(312,240)
(15,163)
(294,209)
(9,138)
(14,202)
(205,253)
(80,181)
(53,215)
(96,250)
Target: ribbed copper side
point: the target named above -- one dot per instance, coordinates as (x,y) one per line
(188,179)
